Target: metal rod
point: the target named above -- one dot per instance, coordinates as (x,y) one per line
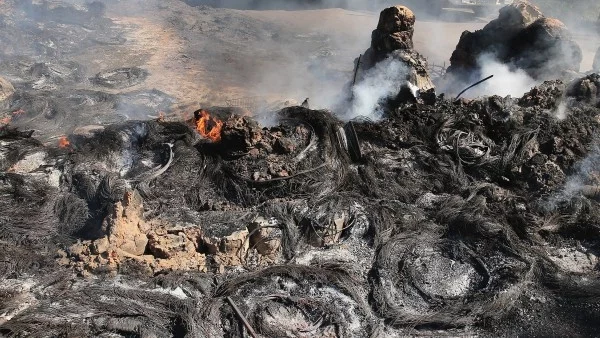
(242,318)
(473,85)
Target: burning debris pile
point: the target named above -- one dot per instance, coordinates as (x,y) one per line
(453,219)
(468,217)
(522,38)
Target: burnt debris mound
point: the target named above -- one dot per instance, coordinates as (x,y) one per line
(459,216)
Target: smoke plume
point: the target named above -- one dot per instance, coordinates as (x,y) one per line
(381,82)
(579,180)
(506,81)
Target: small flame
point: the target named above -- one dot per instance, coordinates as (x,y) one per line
(63,142)
(209,126)
(161,116)
(5,121)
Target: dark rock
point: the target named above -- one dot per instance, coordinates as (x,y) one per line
(585,88)
(521,37)
(393,39)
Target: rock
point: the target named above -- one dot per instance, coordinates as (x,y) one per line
(79,249)
(240,133)
(100,246)
(284,146)
(194,262)
(162,246)
(394,30)
(167,245)
(393,40)
(522,37)
(232,249)
(176,249)
(585,88)
(6,89)
(596,66)
(545,47)
(125,226)
(62,257)
(266,240)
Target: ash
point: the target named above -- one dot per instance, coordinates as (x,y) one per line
(121,217)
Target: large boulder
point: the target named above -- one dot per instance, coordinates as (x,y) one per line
(544,48)
(522,38)
(393,40)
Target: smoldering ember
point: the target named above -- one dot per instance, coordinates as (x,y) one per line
(160,178)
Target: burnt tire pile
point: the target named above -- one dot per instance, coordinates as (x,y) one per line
(460,218)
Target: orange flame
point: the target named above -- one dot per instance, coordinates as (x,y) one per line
(161,116)
(209,126)
(63,142)
(5,121)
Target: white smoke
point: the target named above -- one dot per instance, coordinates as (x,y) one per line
(561,111)
(506,81)
(583,172)
(381,82)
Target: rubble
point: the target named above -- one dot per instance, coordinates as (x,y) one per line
(522,38)
(158,246)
